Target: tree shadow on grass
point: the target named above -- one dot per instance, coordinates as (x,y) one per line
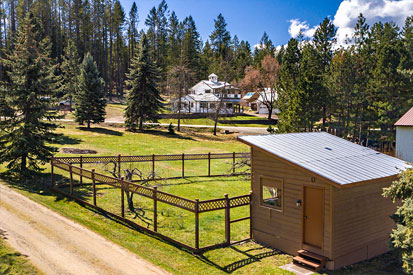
(166,134)
(100,130)
(63,139)
(39,183)
(251,258)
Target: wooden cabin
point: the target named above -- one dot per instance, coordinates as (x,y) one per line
(404,137)
(319,197)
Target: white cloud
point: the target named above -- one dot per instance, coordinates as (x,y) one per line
(377,10)
(347,13)
(297,26)
(259,46)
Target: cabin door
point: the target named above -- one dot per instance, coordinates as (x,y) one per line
(313,216)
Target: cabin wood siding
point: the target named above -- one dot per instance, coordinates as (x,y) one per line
(362,222)
(284,229)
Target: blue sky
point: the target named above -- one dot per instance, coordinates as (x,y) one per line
(280,19)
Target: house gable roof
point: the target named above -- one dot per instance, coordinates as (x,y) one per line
(406,119)
(338,161)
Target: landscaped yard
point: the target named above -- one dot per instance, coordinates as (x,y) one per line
(249,258)
(115,112)
(13,262)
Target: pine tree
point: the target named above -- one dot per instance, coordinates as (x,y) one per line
(220,38)
(402,236)
(143,101)
(133,29)
(70,71)
(27,127)
(289,100)
(89,98)
(191,46)
(324,38)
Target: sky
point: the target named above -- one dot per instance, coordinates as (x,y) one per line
(248,19)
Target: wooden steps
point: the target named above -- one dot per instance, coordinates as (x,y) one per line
(310,260)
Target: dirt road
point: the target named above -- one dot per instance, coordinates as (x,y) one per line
(57,245)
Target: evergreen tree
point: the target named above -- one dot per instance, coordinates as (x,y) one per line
(143,101)
(289,99)
(70,71)
(220,38)
(27,127)
(264,48)
(191,46)
(133,29)
(311,85)
(89,98)
(402,235)
(324,38)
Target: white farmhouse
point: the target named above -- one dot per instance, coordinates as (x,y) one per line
(205,97)
(404,137)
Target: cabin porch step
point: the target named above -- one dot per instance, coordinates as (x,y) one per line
(310,260)
(312,256)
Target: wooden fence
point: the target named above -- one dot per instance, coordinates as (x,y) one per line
(161,158)
(195,206)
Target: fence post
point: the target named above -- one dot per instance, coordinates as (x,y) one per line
(52,172)
(94,187)
(71,179)
(233,163)
(155,209)
(227,221)
(250,214)
(153,164)
(122,192)
(209,164)
(119,165)
(197,224)
(81,171)
(183,165)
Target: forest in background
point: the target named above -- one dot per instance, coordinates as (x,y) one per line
(357,91)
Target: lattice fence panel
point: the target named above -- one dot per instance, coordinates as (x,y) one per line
(211,205)
(176,201)
(240,201)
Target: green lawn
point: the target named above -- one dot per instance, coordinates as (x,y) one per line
(249,258)
(115,112)
(13,262)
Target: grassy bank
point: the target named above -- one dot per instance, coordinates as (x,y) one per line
(13,262)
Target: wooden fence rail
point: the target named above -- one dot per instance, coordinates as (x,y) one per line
(195,206)
(155,158)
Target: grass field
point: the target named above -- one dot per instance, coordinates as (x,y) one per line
(12,262)
(249,258)
(115,112)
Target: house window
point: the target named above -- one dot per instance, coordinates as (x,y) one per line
(229,105)
(202,105)
(212,105)
(192,105)
(207,91)
(272,193)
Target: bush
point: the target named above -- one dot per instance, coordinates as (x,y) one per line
(171,129)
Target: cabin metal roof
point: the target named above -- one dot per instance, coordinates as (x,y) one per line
(406,119)
(333,158)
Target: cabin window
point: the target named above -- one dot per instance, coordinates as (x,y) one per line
(272,193)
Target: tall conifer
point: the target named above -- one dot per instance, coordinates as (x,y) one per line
(143,101)
(27,126)
(89,98)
